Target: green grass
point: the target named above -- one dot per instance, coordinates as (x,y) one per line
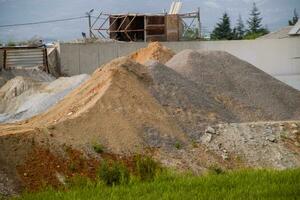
(245,184)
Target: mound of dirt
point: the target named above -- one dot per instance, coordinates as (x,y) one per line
(248,92)
(113,108)
(183,99)
(154,51)
(114,103)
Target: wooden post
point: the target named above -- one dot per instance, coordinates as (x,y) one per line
(199,21)
(145,28)
(4,59)
(46,60)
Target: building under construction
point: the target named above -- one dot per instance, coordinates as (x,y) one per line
(147,27)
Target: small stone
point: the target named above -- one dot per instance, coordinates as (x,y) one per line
(252,126)
(210,130)
(295,131)
(25,174)
(206,138)
(293,125)
(271,138)
(297,144)
(70,113)
(225,156)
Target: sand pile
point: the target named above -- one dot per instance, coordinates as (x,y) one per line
(248,92)
(183,99)
(154,51)
(114,103)
(22,98)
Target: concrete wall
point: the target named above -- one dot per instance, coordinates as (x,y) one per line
(278,57)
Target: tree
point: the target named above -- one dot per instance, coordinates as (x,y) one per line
(295,18)
(254,22)
(255,28)
(222,31)
(239,30)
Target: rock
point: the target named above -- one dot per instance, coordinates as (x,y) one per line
(271,138)
(293,125)
(252,126)
(210,130)
(295,131)
(225,156)
(206,138)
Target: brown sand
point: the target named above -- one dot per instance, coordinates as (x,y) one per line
(113,108)
(154,51)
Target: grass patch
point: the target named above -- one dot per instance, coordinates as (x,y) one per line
(245,184)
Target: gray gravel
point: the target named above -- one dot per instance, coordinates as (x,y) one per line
(192,107)
(251,94)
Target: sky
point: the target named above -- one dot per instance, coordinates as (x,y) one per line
(275,13)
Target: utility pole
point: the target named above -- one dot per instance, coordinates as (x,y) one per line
(199,21)
(90,22)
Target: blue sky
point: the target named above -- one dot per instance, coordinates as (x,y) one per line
(275,14)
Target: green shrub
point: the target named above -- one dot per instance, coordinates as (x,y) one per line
(98,148)
(146,168)
(113,174)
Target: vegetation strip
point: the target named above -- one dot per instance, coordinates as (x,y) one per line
(245,184)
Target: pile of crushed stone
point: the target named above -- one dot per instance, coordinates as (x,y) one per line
(248,92)
(23,97)
(154,51)
(186,101)
(258,144)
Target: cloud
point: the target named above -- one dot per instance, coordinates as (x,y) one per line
(212,4)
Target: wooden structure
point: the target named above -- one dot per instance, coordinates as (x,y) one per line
(144,27)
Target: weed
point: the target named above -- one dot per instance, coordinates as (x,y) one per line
(177,145)
(194,144)
(146,168)
(98,148)
(214,169)
(78,181)
(72,167)
(114,174)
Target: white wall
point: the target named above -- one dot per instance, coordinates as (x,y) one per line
(278,57)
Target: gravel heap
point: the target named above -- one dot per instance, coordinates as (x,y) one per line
(189,103)
(248,92)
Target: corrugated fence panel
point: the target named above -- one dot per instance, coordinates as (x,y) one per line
(24,57)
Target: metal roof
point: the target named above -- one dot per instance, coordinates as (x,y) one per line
(296,29)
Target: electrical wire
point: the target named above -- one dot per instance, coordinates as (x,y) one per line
(43,22)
